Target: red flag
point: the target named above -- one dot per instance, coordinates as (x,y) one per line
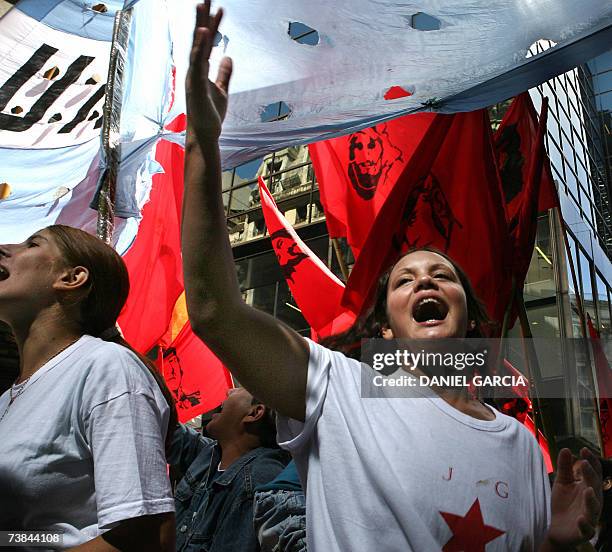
(516,142)
(315,288)
(604,385)
(528,423)
(520,408)
(154,260)
(195,376)
(356,173)
(448,197)
(524,224)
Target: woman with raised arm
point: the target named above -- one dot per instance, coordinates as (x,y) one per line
(442,472)
(84,427)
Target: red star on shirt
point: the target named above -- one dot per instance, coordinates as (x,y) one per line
(470,534)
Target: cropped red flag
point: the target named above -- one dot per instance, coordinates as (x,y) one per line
(154,260)
(357,172)
(195,376)
(523,226)
(521,409)
(604,384)
(315,288)
(515,145)
(528,423)
(448,197)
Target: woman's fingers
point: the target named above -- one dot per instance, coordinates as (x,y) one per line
(224,74)
(564,466)
(587,455)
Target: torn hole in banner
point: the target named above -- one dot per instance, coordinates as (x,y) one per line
(221,38)
(397,92)
(50,74)
(540,46)
(5,190)
(303,34)
(277,111)
(422,21)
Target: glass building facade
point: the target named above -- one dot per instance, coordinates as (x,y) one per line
(578,143)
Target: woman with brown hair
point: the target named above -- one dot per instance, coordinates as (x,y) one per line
(441,471)
(83,429)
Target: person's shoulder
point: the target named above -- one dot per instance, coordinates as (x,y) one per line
(523,435)
(110,365)
(321,355)
(267,464)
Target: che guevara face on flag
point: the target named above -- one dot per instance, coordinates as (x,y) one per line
(173,374)
(287,252)
(371,156)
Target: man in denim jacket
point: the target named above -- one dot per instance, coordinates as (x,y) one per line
(214,499)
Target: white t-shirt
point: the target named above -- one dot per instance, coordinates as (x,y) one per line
(398,474)
(82,447)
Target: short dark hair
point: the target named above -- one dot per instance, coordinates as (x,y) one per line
(265,428)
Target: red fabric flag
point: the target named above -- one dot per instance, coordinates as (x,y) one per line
(357,172)
(196,377)
(604,385)
(448,197)
(528,423)
(315,288)
(524,224)
(516,143)
(154,260)
(521,409)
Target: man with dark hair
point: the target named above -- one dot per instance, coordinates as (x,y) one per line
(214,498)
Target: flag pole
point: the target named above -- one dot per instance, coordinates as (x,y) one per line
(582,317)
(340,259)
(111,130)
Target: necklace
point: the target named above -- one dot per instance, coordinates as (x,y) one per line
(19,388)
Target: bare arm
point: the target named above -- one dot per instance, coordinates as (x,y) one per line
(147,534)
(267,357)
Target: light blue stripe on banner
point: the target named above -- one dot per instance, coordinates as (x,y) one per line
(74,17)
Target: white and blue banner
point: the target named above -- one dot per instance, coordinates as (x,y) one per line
(304,71)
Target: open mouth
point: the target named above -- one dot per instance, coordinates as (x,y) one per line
(429,309)
(4,273)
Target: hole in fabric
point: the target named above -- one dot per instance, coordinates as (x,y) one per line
(396,92)
(100,8)
(94,79)
(5,190)
(424,22)
(55,118)
(540,46)
(51,73)
(17,110)
(60,192)
(276,111)
(303,33)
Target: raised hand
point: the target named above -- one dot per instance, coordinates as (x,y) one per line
(206,101)
(576,500)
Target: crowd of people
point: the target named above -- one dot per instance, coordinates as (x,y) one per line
(295,459)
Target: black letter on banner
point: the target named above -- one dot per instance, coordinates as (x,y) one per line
(83,111)
(19,124)
(25,73)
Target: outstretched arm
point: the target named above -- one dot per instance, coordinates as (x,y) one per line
(267,357)
(575,502)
